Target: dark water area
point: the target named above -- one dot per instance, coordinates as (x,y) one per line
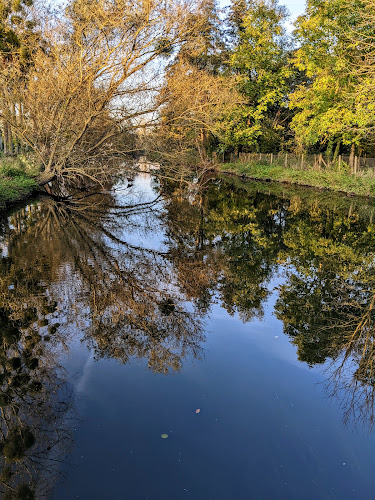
(213,343)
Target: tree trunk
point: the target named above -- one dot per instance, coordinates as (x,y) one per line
(203,141)
(45,177)
(5,133)
(8,142)
(351,158)
(337,151)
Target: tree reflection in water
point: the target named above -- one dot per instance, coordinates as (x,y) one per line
(81,264)
(126,294)
(322,245)
(35,404)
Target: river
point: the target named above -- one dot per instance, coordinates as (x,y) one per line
(207,343)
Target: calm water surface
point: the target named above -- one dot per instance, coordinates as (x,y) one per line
(237,321)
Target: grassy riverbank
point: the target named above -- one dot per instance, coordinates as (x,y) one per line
(16,181)
(362,184)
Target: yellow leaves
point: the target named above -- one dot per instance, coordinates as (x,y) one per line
(198,103)
(295,205)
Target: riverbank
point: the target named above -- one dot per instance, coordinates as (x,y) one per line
(16,182)
(341,182)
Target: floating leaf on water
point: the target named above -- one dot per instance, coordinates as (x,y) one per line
(164,436)
(198,410)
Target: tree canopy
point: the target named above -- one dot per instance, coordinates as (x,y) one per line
(114,78)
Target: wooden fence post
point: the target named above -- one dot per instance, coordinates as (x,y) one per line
(286,160)
(320,161)
(301,162)
(271,159)
(340,159)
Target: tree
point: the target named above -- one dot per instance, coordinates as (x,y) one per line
(195,104)
(95,79)
(260,58)
(361,62)
(17,36)
(207,49)
(197,95)
(334,52)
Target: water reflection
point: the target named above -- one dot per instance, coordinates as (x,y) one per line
(321,245)
(121,294)
(35,404)
(135,275)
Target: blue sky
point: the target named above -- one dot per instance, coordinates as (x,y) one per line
(295,7)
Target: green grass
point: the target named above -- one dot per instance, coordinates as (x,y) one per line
(362,184)
(16,181)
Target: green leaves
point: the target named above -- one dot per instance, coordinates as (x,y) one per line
(261,60)
(334,40)
(15,27)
